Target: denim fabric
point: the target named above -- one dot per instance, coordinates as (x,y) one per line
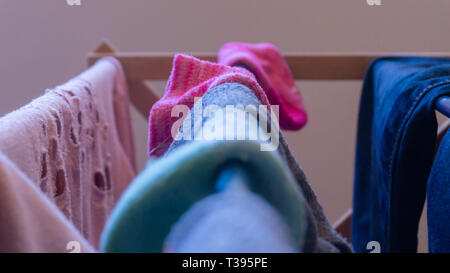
(395,147)
(438,203)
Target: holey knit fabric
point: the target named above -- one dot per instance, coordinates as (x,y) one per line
(190,78)
(272,72)
(75,143)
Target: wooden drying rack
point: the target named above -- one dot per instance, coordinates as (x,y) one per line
(142,67)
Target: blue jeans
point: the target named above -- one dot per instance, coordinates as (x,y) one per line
(438,192)
(395,148)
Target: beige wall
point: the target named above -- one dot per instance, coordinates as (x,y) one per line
(43,43)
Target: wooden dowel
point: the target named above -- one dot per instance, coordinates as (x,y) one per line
(344,225)
(304,66)
(442,130)
(142,97)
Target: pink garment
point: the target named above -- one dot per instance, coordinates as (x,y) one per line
(75,142)
(190,78)
(273,74)
(29,221)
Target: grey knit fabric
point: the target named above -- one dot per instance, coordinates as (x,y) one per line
(321,236)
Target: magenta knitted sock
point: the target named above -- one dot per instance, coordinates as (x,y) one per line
(273,74)
(190,78)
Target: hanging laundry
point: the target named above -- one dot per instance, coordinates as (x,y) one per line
(30,222)
(75,143)
(438,202)
(169,186)
(190,78)
(395,148)
(237,94)
(272,72)
(192,166)
(210,224)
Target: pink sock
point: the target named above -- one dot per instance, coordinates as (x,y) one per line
(273,74)
(191,77)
